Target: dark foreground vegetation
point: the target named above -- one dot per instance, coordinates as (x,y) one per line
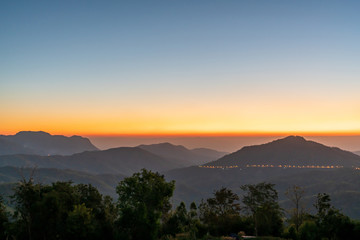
(143,211)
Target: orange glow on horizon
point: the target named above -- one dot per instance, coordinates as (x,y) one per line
(192,134)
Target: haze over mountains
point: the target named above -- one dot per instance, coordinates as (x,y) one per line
(106,168)
(182,155)
(42,143)
(122,160)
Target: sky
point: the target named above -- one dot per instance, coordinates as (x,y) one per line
(189,68)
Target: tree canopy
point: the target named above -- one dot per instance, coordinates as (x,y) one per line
(63,210)
(143,198)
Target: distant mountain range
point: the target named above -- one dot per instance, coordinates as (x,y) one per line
(124,160)
(42,143)
(289,151)
(104,169)
(181,155)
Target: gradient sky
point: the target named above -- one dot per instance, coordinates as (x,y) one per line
(180,67)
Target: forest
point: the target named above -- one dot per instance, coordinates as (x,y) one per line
(143,211)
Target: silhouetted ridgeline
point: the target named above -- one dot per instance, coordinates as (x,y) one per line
(124,160)
(103,168)
(42,143)
(181,155)
(292,150)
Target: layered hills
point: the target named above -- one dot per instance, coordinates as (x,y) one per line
(42,143)
(182,155)
(289,151)
(106,168)
(123,160)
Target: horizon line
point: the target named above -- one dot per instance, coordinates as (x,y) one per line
(226,134)
(200,134)
(196,134)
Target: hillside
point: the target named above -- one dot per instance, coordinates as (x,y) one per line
(105,168)
(211,153)
(42,143)
(357,153)
(181,155)
(10,175)
(195,183)
(8,148)
(293,151)
(125,160)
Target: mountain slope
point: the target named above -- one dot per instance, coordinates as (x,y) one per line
(43,143)
(125,160)
(357,153)
(292,150)
(196,183)
(211,153)
(8,147)
(104,182)
(181,155)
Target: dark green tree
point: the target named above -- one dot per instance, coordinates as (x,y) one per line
(61,211)
(291,233)
(331,223)
(177,221)
(26,196)
(221,212)
(4,220)
(308,230)
(295,194)
(143,198)
(80,223)
(261,201)
(182,221)
(102,210)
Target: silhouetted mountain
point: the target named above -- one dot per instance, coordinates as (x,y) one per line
(125,160)
(292,150)
(181,155)
(43,143)
(196,183)
(357,153)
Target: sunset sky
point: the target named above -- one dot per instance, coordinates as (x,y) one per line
(180,67)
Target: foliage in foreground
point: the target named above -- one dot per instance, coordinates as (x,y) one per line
(63,210)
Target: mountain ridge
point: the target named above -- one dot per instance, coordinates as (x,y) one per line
(43,143)
(291,150)
(123,160)
(180,154)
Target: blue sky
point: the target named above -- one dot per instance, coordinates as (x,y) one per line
(143,59)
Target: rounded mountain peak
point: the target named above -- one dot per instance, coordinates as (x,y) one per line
(293,138)
(32,133)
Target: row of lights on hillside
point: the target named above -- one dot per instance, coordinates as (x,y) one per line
(276,166)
